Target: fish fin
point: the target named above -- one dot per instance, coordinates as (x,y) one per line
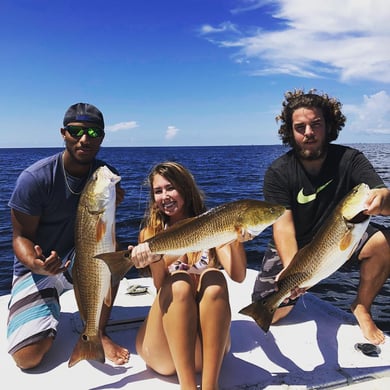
(346,240)
(118,262)
(87,348)
(119,269)
(108,298)
(113,234)
(117,255)
(100,230)
(261,312)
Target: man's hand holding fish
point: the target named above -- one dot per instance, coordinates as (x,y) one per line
(311,180)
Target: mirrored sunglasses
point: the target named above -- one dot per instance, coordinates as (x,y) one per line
(79,131)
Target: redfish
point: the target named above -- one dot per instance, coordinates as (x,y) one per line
(217,226)
(94,233)
(329,249)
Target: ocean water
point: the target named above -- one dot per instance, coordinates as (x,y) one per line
(224,173)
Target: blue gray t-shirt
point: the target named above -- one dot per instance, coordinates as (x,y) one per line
(41,191)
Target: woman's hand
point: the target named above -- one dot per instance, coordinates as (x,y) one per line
(142,256)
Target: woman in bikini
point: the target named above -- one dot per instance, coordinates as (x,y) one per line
(187,330)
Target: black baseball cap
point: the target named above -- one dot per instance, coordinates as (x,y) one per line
(84,112)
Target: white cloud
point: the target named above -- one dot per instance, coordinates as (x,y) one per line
(371,116)
(122,126)
(249,5)
(222,28)
(348,40)
(171,132)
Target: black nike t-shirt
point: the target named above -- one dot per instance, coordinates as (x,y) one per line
(310,198)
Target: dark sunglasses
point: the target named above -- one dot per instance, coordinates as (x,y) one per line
(79,131)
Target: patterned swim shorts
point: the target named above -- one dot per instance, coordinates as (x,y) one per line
(34,308)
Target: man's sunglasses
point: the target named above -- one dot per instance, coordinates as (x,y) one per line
(79,131)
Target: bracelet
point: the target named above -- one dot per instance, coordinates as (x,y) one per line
(161,257)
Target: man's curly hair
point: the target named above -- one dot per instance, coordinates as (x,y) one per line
(331,109)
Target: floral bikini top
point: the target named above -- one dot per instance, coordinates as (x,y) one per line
(196,268)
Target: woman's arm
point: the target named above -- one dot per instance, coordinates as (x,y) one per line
(142,257)
(232,257)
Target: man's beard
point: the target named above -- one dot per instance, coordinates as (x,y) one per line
(73,155)
(311,155)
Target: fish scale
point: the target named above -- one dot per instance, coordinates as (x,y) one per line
(97,271)
(216,227)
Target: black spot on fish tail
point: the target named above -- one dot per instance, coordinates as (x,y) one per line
(87,348)
(261,312)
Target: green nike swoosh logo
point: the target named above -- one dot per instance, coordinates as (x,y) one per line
(303,199)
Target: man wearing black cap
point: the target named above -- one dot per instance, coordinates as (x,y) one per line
(43,210)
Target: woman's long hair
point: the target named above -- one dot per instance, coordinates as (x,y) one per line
(194,200)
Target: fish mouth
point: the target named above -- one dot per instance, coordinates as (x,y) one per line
(359,218)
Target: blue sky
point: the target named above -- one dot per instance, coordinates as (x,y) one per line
(190,72)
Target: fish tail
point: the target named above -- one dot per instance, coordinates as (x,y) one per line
(119,264)
(87,348)
(261,312)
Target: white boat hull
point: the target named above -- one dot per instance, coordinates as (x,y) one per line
(314,347)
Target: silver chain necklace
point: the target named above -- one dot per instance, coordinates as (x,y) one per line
(66,178)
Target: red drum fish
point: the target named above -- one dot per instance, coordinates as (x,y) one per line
(215,227)
(94,233)
(330,248)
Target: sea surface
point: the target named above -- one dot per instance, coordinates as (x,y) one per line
(224,173)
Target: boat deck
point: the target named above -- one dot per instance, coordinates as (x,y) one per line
(314,348)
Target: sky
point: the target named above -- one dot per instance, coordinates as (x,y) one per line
(190,72)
